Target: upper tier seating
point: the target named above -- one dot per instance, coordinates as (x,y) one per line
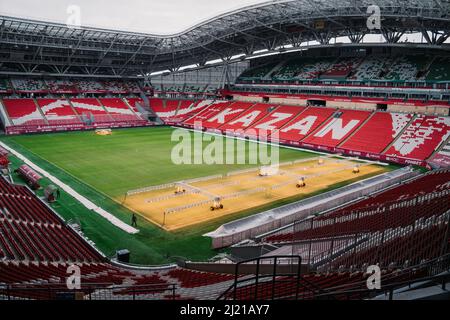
(23,112)
(184,89)
(337,129)
(341,69)
(194,89)
(314,68)
(421,138)
(4,85)
(58,111)
(120,87)
(28,85)
(133,87)
(439,69)
(90,86)
(25,85)
(62,86)
(290,69)
(378,132)
(405,68)
(258,72)
(371,68)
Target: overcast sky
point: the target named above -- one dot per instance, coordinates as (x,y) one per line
(150,16)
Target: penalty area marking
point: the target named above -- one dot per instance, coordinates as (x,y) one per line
(84,201)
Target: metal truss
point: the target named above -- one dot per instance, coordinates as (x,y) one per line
(40,47)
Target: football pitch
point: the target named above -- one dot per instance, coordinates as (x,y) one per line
(105,168)
(128,159)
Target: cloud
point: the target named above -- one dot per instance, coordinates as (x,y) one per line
(148,16)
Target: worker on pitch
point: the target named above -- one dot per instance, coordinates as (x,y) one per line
(133,220)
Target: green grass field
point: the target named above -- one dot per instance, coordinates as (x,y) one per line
(103,168)
(126,160)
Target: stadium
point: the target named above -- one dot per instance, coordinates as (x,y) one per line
(284,150)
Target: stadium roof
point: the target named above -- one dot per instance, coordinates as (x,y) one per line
(43,47)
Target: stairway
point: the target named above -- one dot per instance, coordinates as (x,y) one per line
(107,112)
(320,127)
(399,134)
(4,115)
(268,76)
(40,111)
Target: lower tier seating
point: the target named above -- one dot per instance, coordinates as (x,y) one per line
(421,138)
(431,183)
(404,136)
(338,128)
(58,112)
(378,132)
(118,109)
(42,115)
(249,117)
(36,249)
(207,113)
(227,114)
(23,112)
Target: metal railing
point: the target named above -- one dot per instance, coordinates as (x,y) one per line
(260,280)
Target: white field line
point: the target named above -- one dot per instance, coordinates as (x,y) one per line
(84,201)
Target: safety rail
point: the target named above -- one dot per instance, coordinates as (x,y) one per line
(263,277)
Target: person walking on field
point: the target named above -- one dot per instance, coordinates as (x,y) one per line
(134,220)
